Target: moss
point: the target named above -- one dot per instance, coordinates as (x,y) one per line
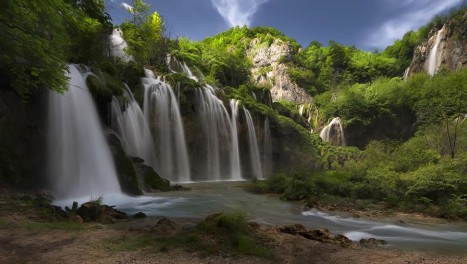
(152,180)
(125,171)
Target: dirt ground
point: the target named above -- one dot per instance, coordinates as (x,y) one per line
(22,244)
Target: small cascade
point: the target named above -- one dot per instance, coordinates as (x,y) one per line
(176,66)
(80,162)
(131,125)
(253,143)
(406,73)
(334,132)
(118,46)
(215,141)
(162,113)
(267,149)
(236,172)
(433,61)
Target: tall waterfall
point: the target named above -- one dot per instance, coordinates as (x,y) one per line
(334,132)
(236,172)
(433,61)
(162,113)
(217,144)
(80,162)
(253,143)
(131,125)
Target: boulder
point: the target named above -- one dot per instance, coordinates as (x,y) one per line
(139,215)
(95,212)
(150,179)
(322,235)
(372,242)
(165,227)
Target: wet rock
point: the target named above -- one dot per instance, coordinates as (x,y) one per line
(322,235)
(75,219)
(93,211)
(139,215)
(150,179)
(165,227)
(372,242)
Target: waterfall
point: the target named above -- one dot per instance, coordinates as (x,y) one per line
(334,132)
(215,140)
(162,113)
(267,149)
(80,162)
(253,143)
(118,46)
(132,127)
(406,73)
(433,61)
(176,66)
(236,172)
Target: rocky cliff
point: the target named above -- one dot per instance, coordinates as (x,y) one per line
(445,49)
(268,69)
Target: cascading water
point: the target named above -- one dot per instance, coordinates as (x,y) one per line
(118,46)
(334,132)
(433,61)
(80,162)
(132,127)
(406,73)
(236,172)
(162,113)
(216,138)
(176,66)
(267,149)
(253,143)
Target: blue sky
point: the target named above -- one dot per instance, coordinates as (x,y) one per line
(367,24)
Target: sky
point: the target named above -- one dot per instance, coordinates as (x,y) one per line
(367,24)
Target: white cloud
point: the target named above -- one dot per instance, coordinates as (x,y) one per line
(416,13)
(237,12)
(128,7)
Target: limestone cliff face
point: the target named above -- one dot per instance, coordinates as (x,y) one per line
(268,69)
(444,49)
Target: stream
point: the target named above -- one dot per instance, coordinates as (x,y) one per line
(208,198)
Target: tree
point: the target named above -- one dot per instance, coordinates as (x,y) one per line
(144,34)
(33,45)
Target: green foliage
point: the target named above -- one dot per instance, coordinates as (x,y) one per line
(40,37)
(144,35)
(232,230)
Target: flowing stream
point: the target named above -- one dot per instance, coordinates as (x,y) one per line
(208,198)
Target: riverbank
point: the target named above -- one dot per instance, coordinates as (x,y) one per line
(30,232)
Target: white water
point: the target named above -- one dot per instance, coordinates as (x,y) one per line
(216,139)
(119,45)
(176,66)
(406,73)
(162,113)
(80,162)
(433,61)
(253,144)
(236,172)
(208,198)
(132,127)
(334,132)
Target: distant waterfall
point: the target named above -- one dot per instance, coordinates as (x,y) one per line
(162,113)
(118,46)
(406,73)
(80,162)
(334,132)
(267,149)
(131,125)
(253,143)
(433,61)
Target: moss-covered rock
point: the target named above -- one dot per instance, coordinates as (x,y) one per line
(125,170)
(150,180)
